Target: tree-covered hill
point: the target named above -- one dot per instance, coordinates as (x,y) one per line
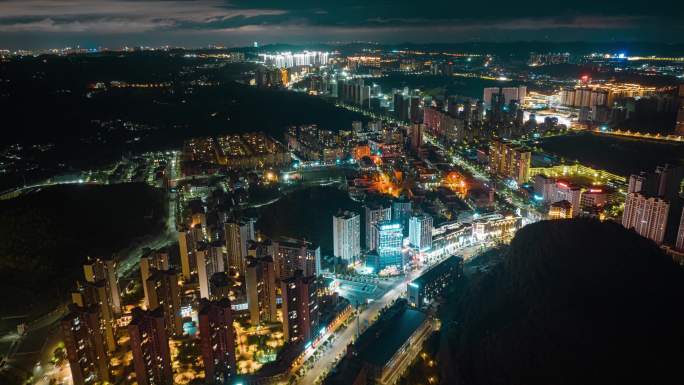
(573,302)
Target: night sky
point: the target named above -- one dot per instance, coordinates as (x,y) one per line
(113,23)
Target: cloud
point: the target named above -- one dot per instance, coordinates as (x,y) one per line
(115,16)
(315,20)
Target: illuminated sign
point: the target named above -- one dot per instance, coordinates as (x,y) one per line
(413,284)
(538,198)
(394,226)
(563,184)
(595,190)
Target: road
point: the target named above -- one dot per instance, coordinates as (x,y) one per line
(329,358)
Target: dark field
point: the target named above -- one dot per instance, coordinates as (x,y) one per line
(623,156)
(306,214)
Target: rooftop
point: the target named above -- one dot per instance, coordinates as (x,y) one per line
(380,342)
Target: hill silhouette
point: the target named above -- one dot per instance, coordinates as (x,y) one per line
(573,302)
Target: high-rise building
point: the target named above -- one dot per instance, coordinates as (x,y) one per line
(401,106)
(150,347)
(84,344)
(509,161)
(96,294)
(390,241)
(300,307)
(638,183)
(347,236)
(219,286)
(679,242)
(150,261)
(374,214)
(217,340)
(646,215)
(290,255)
(416,134)
(401,211)
(679,128)
(665,182)
(237,234)
(420,232)
(543,188)
(186,246)
(165,292)
(260,281)
(96,269)
(414,109)
(668,180)
(209,258)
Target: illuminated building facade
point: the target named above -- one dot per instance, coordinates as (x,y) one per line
(420,232)
(561,210)
(433,283)
(217,340)
(347,236)
(260,281)
(289,59)
(646,215)
(390,240)
(509,161)
(374,214)
(209,258)
(300,308)
(150,347)
(495,226)
(84,345)
(150,261)
(237,234)
(165,294)
(100,268)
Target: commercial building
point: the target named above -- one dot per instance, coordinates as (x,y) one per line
(433,283)
(84,345)
(300,308)
(165,294)
(150,261)
(565,191)
(509,161)
(260,281)
(401,211)
(390,241)
(347,236)
(386,349)
(420,232)
(495,226)
(646,215)
(217,340)
(150,346)
(543,188)
(375,213)
(561,210)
